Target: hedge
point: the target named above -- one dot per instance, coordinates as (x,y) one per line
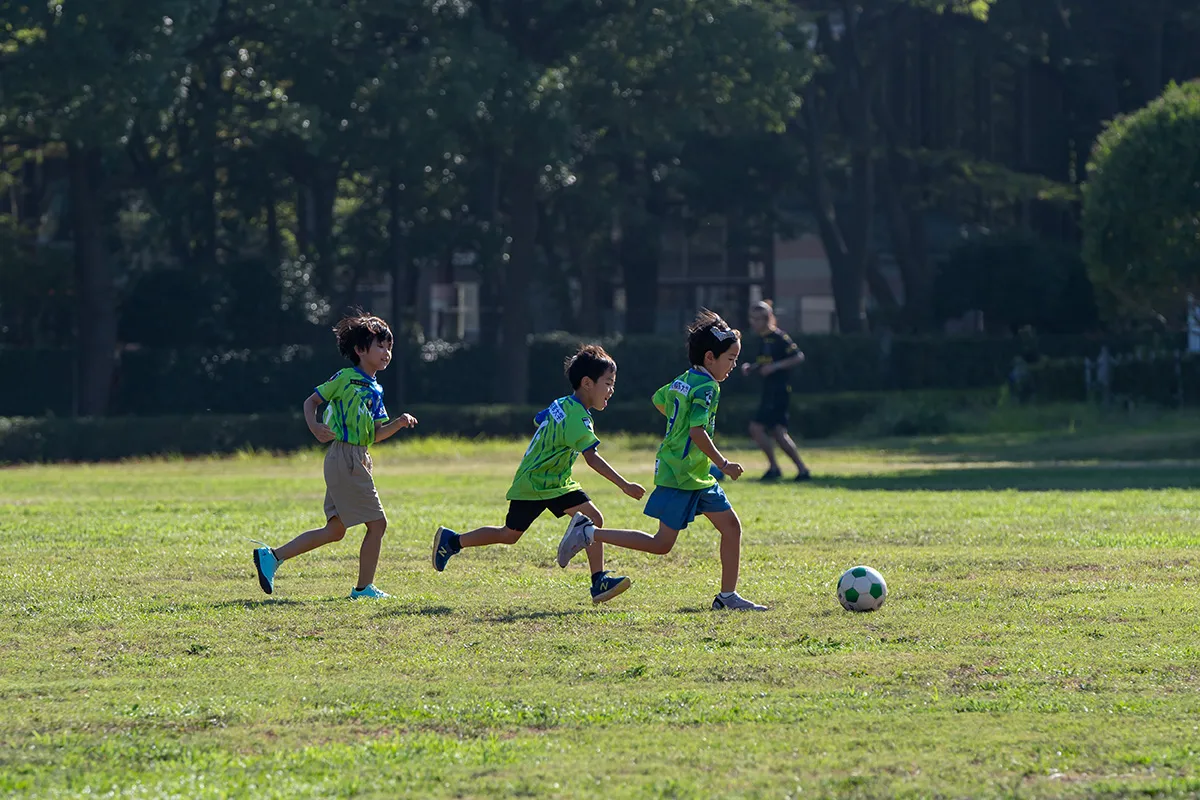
(253,381)
(49,439)
(1165,378)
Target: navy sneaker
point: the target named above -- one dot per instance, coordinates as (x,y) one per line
(445,544)
(772,474)
(605,587)
(803,477)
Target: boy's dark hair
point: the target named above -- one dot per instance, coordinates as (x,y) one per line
(709,334)
(360,330)
(590,361)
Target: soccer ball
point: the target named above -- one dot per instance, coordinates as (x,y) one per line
(861,589)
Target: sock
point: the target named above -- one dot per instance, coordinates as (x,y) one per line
(359,588)
(272,549)
(727,595)
(597,575)
(454,544)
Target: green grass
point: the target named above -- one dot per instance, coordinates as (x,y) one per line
(1041,636)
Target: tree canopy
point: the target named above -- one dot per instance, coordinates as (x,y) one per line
(1141,209)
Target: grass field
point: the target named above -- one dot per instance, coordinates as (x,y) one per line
(1041,637)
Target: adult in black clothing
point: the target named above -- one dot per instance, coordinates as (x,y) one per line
(777,354)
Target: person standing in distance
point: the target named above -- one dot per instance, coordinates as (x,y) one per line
(777,354)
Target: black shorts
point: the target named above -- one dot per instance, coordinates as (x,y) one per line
(773,410)
(522,513)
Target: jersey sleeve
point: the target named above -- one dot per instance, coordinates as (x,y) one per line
(580,433)
(331,387)
(378,410)
(660,397)
(788,347)
(703,400)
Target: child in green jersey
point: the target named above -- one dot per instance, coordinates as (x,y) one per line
(543,480)
(355,418)
(683,484)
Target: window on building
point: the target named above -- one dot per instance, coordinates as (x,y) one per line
(454,311)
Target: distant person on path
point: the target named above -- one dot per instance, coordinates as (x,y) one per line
(543,481)
(777,354)
(355,418)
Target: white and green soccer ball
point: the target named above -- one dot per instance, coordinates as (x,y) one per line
(861,588)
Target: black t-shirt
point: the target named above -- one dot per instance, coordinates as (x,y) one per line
(774,347)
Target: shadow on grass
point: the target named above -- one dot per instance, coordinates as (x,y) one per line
(1116,446)
(266,602)
(1066,478)
(518,616)
(410,611)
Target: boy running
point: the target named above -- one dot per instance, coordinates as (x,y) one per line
(544,481)
(354,420)
(683,484)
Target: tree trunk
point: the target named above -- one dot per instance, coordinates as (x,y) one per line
(401,300)
(587,321)
(514,329)
(95,294)
(846,272)
(639,249)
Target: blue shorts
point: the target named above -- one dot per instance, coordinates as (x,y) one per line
(675,508)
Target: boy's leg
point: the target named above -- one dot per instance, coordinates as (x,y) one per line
(481,537)
(659,544)
(521,514)
(789,447)
(595,551)
(730,528)
(334,531)
(604,586)
(368,554)
(759,434)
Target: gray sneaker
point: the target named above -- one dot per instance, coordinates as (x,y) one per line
(735,602)
(580,534)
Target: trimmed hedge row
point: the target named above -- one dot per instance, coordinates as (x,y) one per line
(49,439)
(1159,378)
(157,381)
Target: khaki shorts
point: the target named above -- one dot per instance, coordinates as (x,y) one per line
(349,488)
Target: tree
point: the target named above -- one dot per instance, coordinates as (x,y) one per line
(1017,281)
(1141,206)
(74,74)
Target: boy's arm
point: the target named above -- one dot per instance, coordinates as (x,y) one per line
(705,444)
(318,428)
(387,430)
(597,462)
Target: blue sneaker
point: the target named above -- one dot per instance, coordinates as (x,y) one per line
(605,587)
(370,592)
(266,563)
(445,544)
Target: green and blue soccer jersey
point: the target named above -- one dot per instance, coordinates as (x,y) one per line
(564,431)
(355,404)
(690,402)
